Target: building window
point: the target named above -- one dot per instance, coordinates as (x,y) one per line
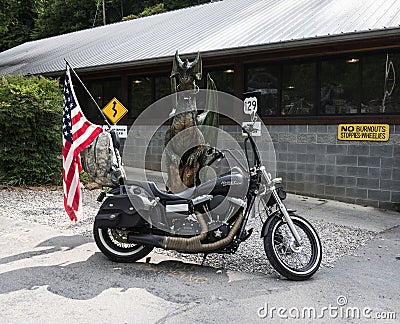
(381,94)
(264,82)
(102,91)
(373,76)
(354,85)
(392,100)
(340,86)
(140,95)
(298,89)
(223,78)
(143,91)
(162,86)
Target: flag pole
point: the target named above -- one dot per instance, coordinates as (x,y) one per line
(90,95)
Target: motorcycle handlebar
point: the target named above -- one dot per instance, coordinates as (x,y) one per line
(219,154)
(216,155)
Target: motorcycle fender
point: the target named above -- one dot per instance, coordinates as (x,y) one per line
(117,211)
(270,218)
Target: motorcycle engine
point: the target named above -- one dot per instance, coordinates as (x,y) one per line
(218,212)
(186,226)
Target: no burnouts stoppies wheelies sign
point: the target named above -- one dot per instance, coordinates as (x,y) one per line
(363,132)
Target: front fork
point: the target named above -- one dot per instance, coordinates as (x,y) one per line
(281,206)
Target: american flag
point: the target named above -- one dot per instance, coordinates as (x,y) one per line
(78,133)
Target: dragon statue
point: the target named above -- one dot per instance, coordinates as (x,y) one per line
(190,132)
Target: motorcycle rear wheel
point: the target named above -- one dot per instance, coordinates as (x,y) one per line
(113,243)
(294,263)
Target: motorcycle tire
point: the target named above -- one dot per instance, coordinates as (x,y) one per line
(282,253)
(112,242)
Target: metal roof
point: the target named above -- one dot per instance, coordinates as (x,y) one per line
(232,26)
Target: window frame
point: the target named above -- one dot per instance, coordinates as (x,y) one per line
(316,115)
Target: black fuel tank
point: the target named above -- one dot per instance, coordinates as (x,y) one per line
(234,184)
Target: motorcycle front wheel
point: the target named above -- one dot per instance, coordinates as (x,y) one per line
(113,243)
(292,261)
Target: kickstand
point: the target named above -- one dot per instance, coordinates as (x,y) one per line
(204,258)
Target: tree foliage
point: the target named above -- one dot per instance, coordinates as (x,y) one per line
(57,17)
(30,130)
(178,4)
(149,11)
(17,18)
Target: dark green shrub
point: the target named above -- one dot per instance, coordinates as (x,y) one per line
(30,130)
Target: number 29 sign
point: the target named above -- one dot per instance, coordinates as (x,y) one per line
(250,105)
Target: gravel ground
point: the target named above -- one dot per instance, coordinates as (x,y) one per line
(45,206)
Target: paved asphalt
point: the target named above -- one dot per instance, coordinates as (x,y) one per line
(56,277)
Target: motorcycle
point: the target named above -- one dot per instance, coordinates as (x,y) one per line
(210,217)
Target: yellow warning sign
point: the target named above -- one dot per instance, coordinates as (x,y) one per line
(363,132)
(114,110)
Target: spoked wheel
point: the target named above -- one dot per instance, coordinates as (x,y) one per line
(292,261)
(113,243)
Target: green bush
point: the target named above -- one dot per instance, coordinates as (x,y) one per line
(30,130)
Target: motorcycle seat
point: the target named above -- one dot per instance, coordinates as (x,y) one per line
(187,194)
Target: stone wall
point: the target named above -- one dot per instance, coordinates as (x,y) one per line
(313,162)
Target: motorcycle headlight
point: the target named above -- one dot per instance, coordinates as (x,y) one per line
(281,194)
